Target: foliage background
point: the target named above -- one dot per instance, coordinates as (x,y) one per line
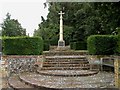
(80,21)
(11,27)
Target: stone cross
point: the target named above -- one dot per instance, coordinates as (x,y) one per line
(61,41)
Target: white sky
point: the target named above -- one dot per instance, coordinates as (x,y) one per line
(28,12)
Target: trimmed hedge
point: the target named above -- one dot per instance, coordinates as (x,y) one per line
(118,46)
(102,44)
(71,45)
(22,45)
(78,45)
(0,45)
(54,41)
(46,45)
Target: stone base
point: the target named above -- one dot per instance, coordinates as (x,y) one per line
(61,43)
(61,46)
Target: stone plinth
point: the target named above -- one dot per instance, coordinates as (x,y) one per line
(61,43)
(61,48)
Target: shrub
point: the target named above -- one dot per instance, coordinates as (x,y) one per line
(78,45)
(71,45)
(0,45)
(46,45)
(117,51)
(101,44)
(22,45)
(54,41)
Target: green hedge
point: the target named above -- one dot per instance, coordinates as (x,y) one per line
(54,41)
(78,45)
(71,45)
(0,45)
(102,44)
(46,45)
(22,45)
(118,46)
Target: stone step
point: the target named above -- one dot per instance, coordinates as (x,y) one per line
(59,53)
(66,57)
(66,65)
(32,80)
(52,62)
(55,48)
(63,60)
(65,68)
(100,80)
(71,61)
(15,83)
(67,73)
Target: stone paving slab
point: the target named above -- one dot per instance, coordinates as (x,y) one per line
(16,83)
(100,80)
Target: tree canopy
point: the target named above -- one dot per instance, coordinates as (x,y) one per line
(11,27)
(80,20)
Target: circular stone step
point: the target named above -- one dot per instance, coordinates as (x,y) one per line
(67,73)
(65,68)
(66,57)
(16,84)
(100,80)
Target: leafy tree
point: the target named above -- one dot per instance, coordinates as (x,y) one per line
(49,29)
(80,20)
(109,14)
(11,27)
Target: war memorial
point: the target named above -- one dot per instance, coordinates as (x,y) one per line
(61,68)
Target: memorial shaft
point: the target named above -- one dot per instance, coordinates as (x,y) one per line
(61,42)
(61,29)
